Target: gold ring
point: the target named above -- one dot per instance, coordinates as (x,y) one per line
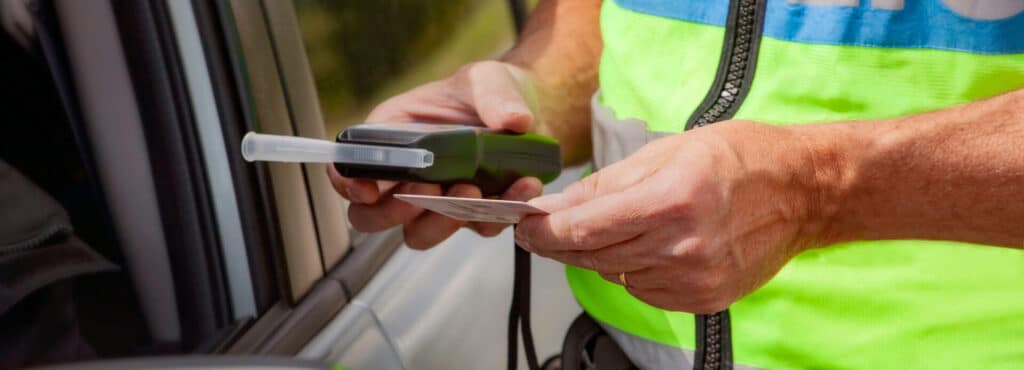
(622,279)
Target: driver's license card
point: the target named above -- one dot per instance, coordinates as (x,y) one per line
(472,209)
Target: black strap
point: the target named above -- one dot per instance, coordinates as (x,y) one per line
(714,342)
(519,313)
(587,346)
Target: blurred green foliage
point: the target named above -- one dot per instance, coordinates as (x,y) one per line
(362,51)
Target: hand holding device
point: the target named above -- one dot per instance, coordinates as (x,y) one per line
(492,94)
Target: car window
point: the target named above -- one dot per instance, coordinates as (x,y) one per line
(362,52)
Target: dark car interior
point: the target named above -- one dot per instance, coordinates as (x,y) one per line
(40,141)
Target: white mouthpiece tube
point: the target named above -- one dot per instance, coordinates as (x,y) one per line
(277,148)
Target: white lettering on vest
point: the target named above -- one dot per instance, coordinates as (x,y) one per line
(875,4)
(986,10)
(980,10)
(887,4)
(853,3)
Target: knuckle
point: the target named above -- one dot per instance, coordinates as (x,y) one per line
(680,207)
(477,70)
(602,258)
(585,188)
(579,235)
(690,252)
(416,241)
(592,260)
(701,254)
(707,285)
(590,185)
(610,277)
(486,66)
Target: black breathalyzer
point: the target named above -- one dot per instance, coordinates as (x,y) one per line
(490,159)
(418,152)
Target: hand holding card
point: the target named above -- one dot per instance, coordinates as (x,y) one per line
(472,209)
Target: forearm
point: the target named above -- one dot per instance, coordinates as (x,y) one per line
(955,174)
(560,48)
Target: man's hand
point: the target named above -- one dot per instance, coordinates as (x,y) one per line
(695,221)
(543,85)
(485,93)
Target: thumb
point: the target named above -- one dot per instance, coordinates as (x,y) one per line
(620,176)
(577,193)
(496,91)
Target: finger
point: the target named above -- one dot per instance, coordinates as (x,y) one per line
(647,279)
(497,97)
(636,254)
(598,223)
(611,278)
(651,278)
(355,190)
(438,101)
(659,297)
(621,176)
(522,190)
(429,228)
(625,279)
(389,211)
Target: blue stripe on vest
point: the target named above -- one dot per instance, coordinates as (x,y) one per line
(959,25)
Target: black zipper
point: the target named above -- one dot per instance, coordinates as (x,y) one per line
(51,232)
(736,67)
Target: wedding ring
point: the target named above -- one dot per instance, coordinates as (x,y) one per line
(622,279)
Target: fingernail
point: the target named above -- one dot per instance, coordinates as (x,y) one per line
(512,107)
(518,116)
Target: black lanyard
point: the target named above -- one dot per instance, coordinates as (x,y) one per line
(519,313)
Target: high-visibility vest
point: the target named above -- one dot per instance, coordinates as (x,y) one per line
(904,304)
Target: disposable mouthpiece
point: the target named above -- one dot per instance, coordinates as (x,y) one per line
(278,148)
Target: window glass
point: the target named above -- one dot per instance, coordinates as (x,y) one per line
(362,52)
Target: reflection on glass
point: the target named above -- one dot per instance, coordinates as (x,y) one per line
(362,52)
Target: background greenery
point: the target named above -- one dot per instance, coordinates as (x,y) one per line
(364,51)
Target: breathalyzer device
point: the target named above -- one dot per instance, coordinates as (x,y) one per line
(419,152)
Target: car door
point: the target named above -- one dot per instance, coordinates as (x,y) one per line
(232,258)
(219,256)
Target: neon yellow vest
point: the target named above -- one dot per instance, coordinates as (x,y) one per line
(863,305)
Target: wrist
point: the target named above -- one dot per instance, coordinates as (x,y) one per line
(831,154)
(560,100)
